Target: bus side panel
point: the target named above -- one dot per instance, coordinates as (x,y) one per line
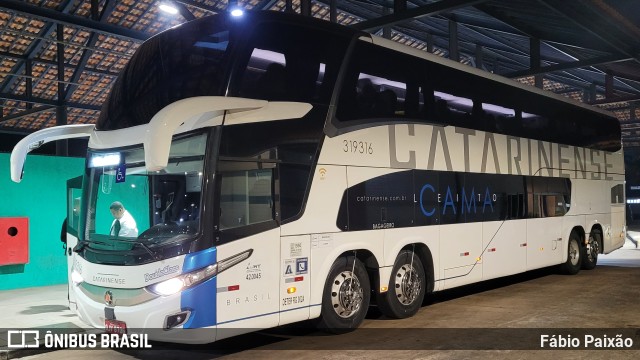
(618,233)
(367,147)
(505,248)
(396,239)
(460,253)
(544,242)
(247,295)
(295,278)
(323,202)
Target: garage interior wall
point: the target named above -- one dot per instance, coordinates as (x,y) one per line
(41,196)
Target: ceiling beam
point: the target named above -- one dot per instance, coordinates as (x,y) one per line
(36,100)
(47,14)
(35,47)
(568,66)
(586,24)
(27,113)
(427,10)
(91,42)
(615,99)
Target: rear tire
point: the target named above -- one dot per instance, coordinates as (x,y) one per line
(346,295)
(591,250)
(574,258)
(407,287)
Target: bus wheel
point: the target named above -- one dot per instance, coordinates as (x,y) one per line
(591,251)
(574,260)
(407,287)
(346,295)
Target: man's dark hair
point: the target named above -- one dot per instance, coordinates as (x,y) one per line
(116,205)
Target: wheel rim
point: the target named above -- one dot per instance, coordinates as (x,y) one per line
(407,284)
(346,294)
(574,252)
(593,248)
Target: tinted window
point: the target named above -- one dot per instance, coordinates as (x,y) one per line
(382,85)
(422,197)
(246,195)
(287,62)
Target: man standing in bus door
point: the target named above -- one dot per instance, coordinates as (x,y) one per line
(123,223)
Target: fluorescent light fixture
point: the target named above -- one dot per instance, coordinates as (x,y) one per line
(168,8)
(102,160)
(237,12)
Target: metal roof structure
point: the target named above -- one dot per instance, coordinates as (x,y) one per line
(588,50)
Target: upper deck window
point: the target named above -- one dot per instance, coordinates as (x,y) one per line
(287,62)
(382,85)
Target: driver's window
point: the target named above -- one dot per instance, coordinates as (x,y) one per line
(246,194)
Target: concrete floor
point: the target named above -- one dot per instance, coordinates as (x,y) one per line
(498,319)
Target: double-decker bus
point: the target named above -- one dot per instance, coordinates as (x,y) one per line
(281,168)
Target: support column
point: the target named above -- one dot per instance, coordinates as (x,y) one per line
(479,57)
(453,41)
(608,85)
(305,7)
(62,146)
(28,71)
(386,31)
(333,11)
(534,60)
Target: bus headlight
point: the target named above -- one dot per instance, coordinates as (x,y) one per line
(185,281)
(76,278)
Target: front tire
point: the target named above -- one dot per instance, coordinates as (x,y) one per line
(407,287)
(574,258)
(591,250)
(346,296)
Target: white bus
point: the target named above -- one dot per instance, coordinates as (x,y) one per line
(282,168)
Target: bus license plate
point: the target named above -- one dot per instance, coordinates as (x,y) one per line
(115,326)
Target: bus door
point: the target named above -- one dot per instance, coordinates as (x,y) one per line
(546,205)
(617,217)
(70,231)
(247,293)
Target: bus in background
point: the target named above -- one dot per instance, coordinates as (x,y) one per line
(282,168)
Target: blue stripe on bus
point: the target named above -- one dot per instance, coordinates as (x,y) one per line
(200,299)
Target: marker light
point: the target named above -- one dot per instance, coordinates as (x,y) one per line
(168,8)
(102,160)
(237,12)
(291,290)
(185,281)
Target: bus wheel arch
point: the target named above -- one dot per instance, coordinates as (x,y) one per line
(592,247)
(574,253)
(347,292)
(411,279)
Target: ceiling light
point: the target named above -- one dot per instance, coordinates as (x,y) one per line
(168,8)
(237,12)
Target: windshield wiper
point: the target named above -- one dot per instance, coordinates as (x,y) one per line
(81,245)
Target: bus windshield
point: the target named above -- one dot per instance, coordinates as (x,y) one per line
(172,65)
(131,207)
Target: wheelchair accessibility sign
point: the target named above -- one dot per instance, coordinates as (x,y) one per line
(121,173)
(302,265)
